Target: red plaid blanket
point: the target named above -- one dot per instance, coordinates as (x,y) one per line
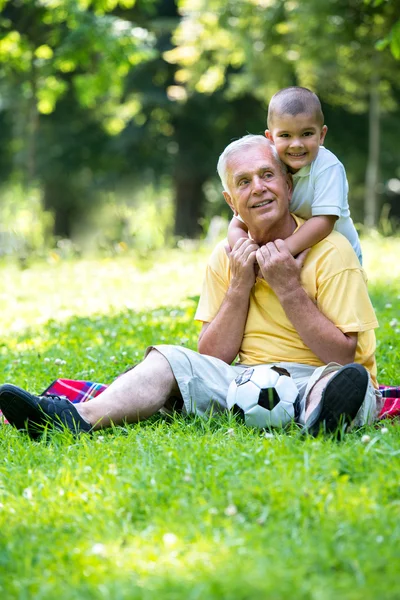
(81,391)
(75,390)
(391,405)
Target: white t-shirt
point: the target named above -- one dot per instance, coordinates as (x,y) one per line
(321,188)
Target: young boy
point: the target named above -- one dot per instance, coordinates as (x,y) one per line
(296,127)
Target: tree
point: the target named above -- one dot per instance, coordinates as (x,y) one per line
(116,124)
(56,49)
(392,38)
(262,45)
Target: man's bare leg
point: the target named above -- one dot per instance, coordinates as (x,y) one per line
(315,395)
(135,395)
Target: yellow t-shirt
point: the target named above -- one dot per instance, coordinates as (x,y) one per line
(332,277)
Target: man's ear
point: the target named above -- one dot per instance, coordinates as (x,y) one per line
(268,135)
(323,133)
(228,200)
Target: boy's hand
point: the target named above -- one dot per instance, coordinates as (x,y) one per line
(278,267)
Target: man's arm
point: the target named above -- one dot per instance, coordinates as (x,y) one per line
(222,337)
(282,272)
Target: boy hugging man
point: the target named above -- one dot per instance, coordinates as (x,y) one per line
(296,127)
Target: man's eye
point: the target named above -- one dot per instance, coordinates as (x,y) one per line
(243,182)
(267,174)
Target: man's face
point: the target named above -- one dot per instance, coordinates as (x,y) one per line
(258,190)
(296,138)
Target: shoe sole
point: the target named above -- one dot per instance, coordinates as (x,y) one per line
(341,399)
(15,402)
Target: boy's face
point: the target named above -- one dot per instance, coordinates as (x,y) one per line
(296,138)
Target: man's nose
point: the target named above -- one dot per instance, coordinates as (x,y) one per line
(258,184)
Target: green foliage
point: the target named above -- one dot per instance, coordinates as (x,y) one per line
(182,508)
(95,92)
(392,39)
(264,45)
(140,219)
(25,227)
(77,38)
(257,47)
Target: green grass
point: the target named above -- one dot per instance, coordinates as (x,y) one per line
(182,508)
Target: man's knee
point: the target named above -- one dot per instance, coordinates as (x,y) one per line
(154,356)
(160,367)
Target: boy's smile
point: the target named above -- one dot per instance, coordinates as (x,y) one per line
(297,138)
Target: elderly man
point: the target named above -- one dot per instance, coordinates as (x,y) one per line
(310,315)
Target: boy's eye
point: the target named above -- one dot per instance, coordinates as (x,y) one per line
(308,133)
(283,135)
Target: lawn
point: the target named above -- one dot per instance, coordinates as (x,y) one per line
(182,508)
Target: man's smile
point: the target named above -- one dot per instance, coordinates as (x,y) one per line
(263,203)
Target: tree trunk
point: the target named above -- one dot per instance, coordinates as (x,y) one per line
(371,179)
(33,127)
(59,199)
(189,204)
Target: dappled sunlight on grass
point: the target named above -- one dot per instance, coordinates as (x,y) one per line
(77,288)
(210,509)
(383,269)
(95,348)
(70,288)
(381,259)
(182,507)
(96,317)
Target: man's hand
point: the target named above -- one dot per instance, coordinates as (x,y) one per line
(223,335)
(278,267)
(242,260)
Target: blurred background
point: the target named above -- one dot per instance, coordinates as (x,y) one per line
(113,112)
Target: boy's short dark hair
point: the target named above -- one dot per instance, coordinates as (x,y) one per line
(294,101)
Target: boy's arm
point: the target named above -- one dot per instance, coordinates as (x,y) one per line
(236,230)
(310,233)
(328,203)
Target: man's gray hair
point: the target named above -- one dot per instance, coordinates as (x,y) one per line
(247,141)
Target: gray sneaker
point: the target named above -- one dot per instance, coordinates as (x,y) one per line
(341,400)
(34,413)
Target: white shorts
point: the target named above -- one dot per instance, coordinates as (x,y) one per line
(203,382)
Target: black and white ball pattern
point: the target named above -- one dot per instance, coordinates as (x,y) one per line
(265,396)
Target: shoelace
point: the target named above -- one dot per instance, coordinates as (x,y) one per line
(53,397)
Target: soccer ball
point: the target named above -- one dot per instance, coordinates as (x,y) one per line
(264,396)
